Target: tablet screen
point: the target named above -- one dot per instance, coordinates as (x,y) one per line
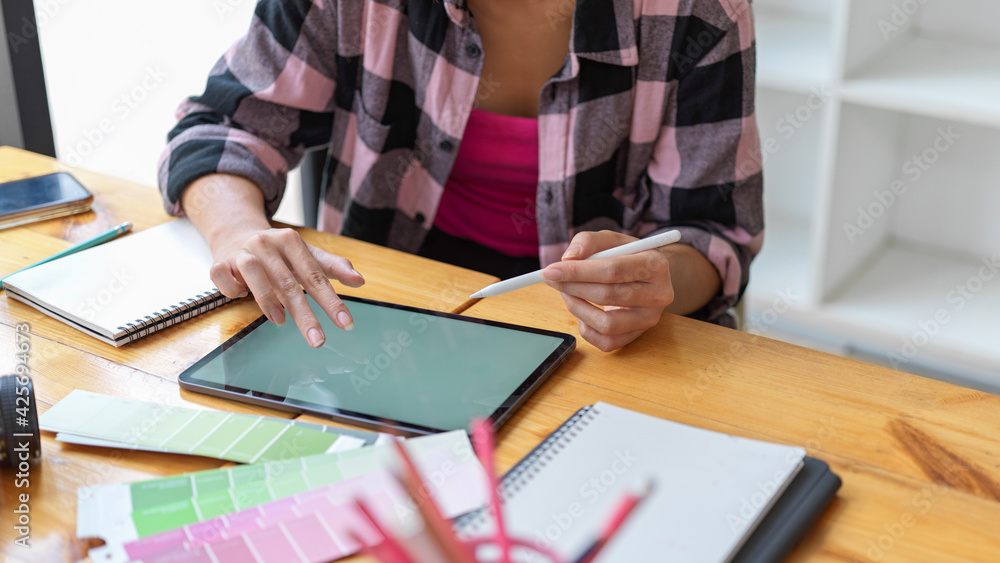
(398,364)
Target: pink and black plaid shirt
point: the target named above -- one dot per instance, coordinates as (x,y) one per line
(648,126)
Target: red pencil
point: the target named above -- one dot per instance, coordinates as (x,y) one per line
(441,531)
(482,438)
(389,550)
(626,505)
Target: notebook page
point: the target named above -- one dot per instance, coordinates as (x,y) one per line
(108,286)
(710,489)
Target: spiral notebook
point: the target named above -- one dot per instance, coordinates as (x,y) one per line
(710,491)
(123,290)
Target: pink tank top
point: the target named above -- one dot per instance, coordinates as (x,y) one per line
(490,196)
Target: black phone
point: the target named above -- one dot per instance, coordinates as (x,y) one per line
(42,197)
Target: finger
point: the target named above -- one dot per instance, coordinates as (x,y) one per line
(612,322)
(337,267)
(634,294)
(285,285)
(604,342)
(249,267)
(646,265)
(311,275)
(586,243)
(227,283)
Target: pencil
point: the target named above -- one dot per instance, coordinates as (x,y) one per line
(482,437)
(531,278)
(626,505)
(99,239)
(439,528)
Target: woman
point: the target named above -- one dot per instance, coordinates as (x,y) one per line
(497,134)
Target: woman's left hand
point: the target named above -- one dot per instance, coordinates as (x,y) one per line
(614,299)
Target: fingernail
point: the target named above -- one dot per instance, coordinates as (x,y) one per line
(278,316)
(315,338)
(353,284)
(573,251)
(345,320)
(244,293)
(552,274)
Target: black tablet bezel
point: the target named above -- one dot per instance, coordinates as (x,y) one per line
(527,387)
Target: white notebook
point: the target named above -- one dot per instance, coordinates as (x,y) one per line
(125,289)
(710,490)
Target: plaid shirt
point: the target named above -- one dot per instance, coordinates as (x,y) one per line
(648,126)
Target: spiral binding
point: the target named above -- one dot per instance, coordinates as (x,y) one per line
(530,465)
(187,309)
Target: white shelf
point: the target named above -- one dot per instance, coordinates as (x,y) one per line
(899,294)
(885,99)
(793,52)
(783,265)
(940,78)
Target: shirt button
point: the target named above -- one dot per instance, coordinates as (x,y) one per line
(420,218)
(446,145)
(473,50)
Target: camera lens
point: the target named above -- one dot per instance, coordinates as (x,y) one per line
(20,440)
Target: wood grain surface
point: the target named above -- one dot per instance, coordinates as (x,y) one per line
(62,358)
(919,458)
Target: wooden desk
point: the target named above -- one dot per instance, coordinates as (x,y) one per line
(918,458)
(63,358)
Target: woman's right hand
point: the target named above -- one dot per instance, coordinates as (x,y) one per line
(272,263)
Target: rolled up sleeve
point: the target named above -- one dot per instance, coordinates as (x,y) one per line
(705,177)
(267,100)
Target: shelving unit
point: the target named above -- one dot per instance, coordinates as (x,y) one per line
(881,205)
(943,78)
(794,51)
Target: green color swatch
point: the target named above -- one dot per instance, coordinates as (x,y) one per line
(166,503)
(233,437)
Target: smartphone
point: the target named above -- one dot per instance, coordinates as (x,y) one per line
(42,197)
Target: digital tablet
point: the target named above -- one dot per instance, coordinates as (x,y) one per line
(402,369)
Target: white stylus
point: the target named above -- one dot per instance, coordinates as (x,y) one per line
(532,278)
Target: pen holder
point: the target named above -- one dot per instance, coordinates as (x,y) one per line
(439,540)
